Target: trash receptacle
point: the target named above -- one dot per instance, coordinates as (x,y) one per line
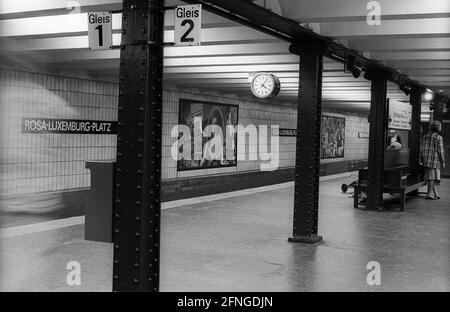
(99,205)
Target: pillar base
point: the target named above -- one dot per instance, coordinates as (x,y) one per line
(310,239)
(379,208)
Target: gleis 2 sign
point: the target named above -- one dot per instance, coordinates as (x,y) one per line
(188,22)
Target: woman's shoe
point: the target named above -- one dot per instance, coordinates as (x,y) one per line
(429,197)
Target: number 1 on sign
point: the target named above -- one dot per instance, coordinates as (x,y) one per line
(100,35)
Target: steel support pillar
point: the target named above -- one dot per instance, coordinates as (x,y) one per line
(377,138)
(438,111)
(307,162)
(138,170)
(446,134)
(415,134)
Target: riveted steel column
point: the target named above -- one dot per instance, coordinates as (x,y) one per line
(438,111)
(446,134)
(138,169)
(307,163)
(414,138)
(377,137)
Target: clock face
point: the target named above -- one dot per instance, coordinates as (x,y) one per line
(265,85)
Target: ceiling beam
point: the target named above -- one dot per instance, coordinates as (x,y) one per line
(42,38)
(29,8)
(284,80)
(423,64)
(423,72)
(67,56)
(399,44)
(411,28)
(75,24)
(222,35)
(278,48)
(263,67)
(279,74)
(413,56)
(356,10)
(433,79)
(247,13)
(113,64)
(220,86)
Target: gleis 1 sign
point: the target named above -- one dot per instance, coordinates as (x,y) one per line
(100,30)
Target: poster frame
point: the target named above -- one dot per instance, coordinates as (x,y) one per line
(183,101)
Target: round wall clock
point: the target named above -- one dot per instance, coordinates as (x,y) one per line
(265,85)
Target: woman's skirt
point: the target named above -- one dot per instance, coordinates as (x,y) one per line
(432,174)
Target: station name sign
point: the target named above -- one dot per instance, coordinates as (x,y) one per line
(282,132)
(288,132)
(68,126)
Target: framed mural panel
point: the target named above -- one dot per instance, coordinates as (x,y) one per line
(333,137)
(197,116)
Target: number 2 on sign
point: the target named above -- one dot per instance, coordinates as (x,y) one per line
(185,38)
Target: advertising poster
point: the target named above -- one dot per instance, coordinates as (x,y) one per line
(191,114)
(333,137)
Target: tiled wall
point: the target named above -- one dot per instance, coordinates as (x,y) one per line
(32,163)
(49,162)
(356,148)
(250,113)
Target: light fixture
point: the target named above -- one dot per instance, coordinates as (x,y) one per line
(405,88)
(428,95)
(432,106)
(351,67)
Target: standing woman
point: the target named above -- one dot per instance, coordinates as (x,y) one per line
(432,156)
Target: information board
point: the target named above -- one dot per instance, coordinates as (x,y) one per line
(400,115)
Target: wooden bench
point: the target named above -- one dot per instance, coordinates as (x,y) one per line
(396,180)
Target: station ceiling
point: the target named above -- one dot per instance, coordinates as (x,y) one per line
(413,37)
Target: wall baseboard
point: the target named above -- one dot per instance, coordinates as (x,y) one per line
(207,185)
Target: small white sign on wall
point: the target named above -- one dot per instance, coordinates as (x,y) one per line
(100,30)
(400,115)
(363,135)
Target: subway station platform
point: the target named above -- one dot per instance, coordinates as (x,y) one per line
(238,242)
(175,129)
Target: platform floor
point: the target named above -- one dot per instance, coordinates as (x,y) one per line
(240,243)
